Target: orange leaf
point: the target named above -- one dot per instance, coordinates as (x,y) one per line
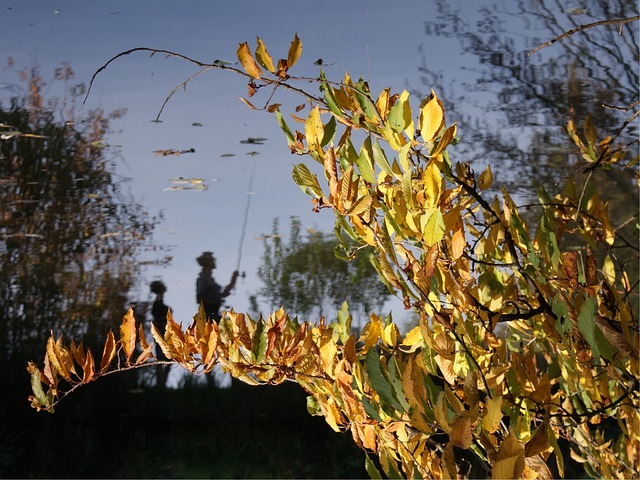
(145,355)
(142,337)
(109,352)
(78,352)
(88,368)
(247,61)
(128,334)
(170,354)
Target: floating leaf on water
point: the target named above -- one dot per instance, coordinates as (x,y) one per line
(171,151)
(221,63)
(254,141)
(187,181)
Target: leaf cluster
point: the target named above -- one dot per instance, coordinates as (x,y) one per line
(521,347)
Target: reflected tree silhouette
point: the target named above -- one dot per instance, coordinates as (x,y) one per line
(515,107)
(310,276)
(69,232)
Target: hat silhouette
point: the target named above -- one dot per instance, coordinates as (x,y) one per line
(206,259)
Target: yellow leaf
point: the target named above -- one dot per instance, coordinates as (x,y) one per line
(431,118)
(509,460)
(263,56)
(157,336)
(109,352)
(55,358)
(382,104)
(128,334)
(247,61)
(432,226)
(447,137)
(390,335)
(441,414)
(433,184)
(458,241)
(295,50)
(486,178)
(412,340)
(371,333)
(492,415)
(314,130)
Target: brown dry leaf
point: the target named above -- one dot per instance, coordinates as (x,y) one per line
(570,267)
(247,103)
(461,435)
(591,269)
(538,443)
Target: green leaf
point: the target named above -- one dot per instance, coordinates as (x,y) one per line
(371,410)
(586,323)
(606,349)
(371,468)
(312,407)
(380,159)
(560,309)
(379,381)
(400,115)
(365,162)
(343,326)
(395,378)
(259,343)
(329,97)
(285,128)
(36,386)
(306,180)
(329,132)
(367,106)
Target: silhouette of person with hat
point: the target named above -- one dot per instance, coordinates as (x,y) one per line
(159,312)
(208,292)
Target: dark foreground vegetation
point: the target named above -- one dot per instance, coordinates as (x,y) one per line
(195,432)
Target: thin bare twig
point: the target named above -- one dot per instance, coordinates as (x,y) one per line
(568,33)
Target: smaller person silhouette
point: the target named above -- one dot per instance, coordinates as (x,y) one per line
(208,292)
(159,312)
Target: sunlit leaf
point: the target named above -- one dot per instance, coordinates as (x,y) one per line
(431,118)
(247,61)
(128,334)
(263,57)
(109,352)
(295,50)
